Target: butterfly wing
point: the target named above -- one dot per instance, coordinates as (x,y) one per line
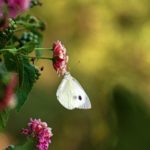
(71,94)
(64,93)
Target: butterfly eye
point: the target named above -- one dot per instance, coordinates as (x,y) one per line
(80,97)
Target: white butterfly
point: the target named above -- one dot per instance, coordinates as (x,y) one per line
(71,94)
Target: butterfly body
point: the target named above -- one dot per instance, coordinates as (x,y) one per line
(71,94)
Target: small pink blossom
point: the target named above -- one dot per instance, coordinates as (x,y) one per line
(25,131)
(60,58)
(23,4)
(12,8)
(15,7)
(39,130)
(8,97)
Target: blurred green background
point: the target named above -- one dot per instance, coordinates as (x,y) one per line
(108,42)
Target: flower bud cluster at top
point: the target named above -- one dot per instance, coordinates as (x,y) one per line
(29,37)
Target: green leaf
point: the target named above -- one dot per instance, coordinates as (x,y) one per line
(29,145)
(28,74)
(4,115)
(10,61)
(29,77)
(14,63)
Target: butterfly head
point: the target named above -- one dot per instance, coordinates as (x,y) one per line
(67,75)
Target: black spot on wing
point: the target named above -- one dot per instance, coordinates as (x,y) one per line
(80,97)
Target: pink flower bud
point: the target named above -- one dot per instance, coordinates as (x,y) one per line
(60,58)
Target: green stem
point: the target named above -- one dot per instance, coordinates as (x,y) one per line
(4,50)
(44,49)
(39,57)
(21,29)
(11,49)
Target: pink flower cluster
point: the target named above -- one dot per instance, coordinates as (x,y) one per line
(13,7)
(9,96)
(60,58)
(39,130)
